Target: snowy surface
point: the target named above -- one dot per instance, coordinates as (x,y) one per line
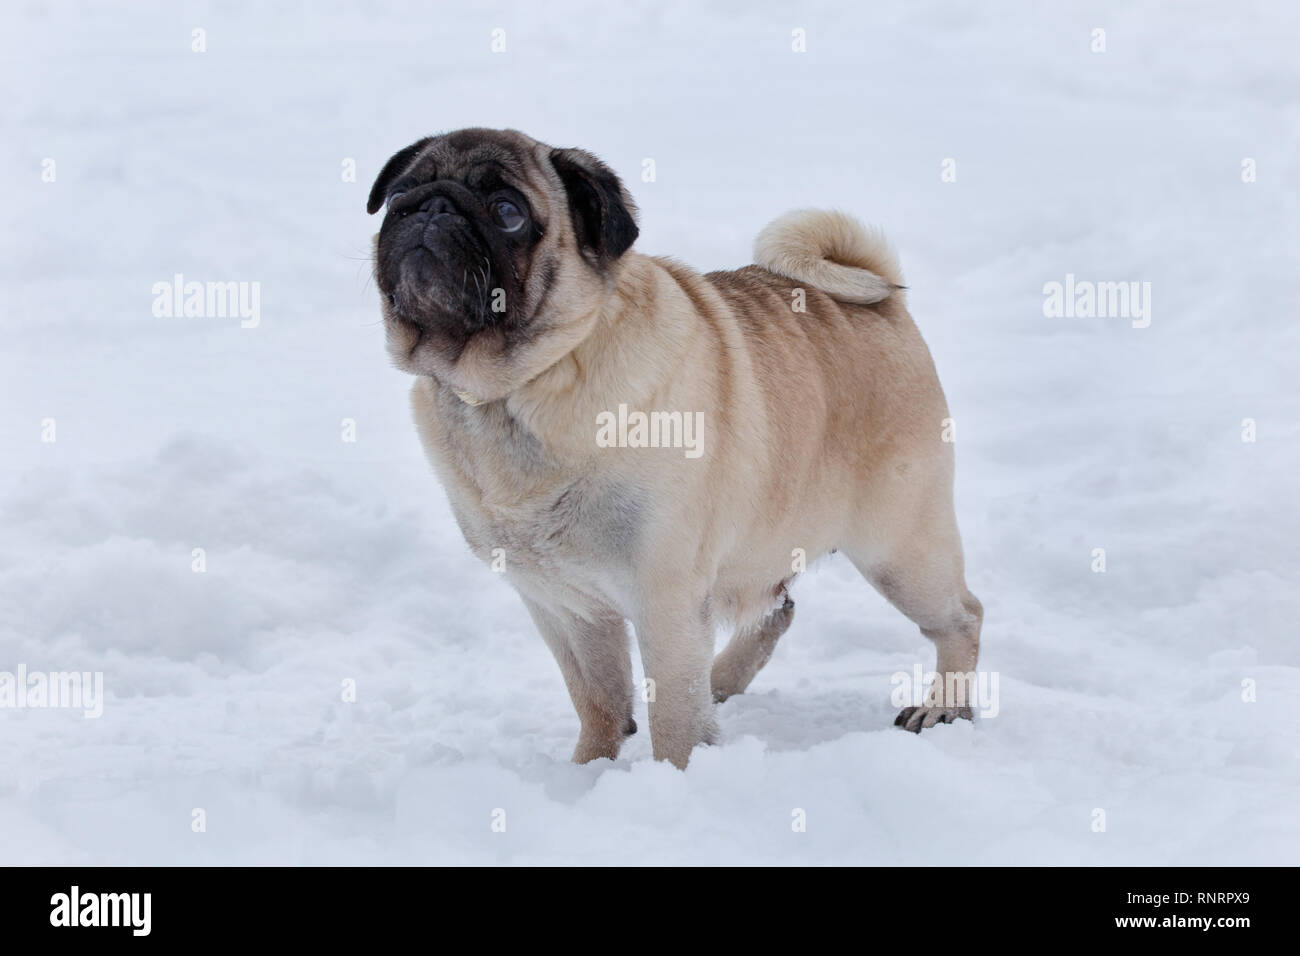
(330,561)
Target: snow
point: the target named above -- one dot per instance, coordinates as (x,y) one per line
(329,561)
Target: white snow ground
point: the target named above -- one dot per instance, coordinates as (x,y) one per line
(329,560)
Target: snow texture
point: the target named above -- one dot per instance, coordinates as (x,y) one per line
(330,561)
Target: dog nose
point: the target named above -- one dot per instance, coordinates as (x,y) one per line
(437,206)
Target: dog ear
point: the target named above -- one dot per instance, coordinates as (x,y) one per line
(604,215)
(392,169)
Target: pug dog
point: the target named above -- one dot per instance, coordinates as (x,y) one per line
(634,442)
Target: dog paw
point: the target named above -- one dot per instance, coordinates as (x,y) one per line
(917,719)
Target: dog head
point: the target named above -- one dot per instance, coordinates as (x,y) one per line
(495,256)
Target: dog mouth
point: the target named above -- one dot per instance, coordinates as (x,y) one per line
(436,276)
(431,314)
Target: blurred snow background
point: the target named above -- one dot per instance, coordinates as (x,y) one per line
(329,561)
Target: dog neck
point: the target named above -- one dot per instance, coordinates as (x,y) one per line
(640,340)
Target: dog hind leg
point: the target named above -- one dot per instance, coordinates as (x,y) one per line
(747,651)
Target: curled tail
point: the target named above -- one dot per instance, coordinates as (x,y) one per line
(832,252)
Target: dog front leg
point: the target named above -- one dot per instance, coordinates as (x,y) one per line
(596,662)
(677,653)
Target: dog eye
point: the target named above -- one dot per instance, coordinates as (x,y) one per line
(507,215)
(399,188)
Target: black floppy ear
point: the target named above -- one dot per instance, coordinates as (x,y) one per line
(392,169)
(603,213)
